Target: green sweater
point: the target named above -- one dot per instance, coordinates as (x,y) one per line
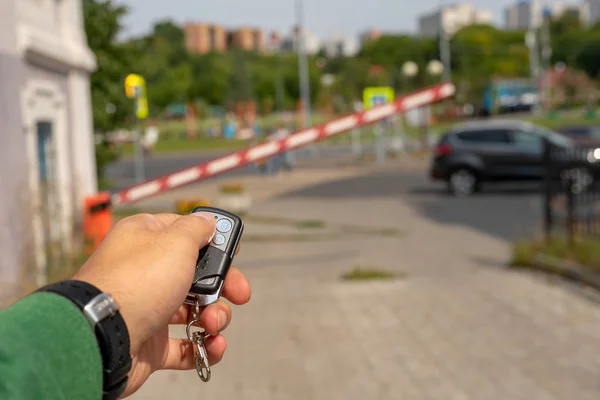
(48,351)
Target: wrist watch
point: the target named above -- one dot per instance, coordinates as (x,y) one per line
(102,312)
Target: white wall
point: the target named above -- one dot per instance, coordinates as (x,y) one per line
(57,63)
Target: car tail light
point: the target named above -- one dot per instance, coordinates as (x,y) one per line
(443,149)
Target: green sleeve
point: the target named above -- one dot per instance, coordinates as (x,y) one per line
(48,351)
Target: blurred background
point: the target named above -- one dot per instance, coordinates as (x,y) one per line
(419,181)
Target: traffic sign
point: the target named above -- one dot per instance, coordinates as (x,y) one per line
(374,96)
(135,88)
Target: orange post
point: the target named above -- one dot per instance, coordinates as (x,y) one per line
(97,220)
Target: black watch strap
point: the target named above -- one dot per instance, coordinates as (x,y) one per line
(111,332)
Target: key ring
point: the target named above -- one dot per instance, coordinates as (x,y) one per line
(198,338)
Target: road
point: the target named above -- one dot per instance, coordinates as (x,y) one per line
(122,172)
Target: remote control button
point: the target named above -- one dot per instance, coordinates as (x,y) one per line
(219,239)
(223,225)
(207,281)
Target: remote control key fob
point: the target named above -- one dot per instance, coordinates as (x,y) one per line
(215,258)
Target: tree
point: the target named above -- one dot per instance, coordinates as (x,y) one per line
(103,24)
(165,64)
(210,77)
(587,58)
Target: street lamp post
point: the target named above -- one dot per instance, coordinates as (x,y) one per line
(445,54)
(303,65)
(410,70)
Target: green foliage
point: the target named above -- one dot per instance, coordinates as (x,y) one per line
(479,53)
(103,25)
(361,273)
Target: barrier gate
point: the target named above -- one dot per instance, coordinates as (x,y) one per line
(297,139)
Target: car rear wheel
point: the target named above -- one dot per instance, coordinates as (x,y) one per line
(463,182)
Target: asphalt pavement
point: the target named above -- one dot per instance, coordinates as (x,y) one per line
(506,211)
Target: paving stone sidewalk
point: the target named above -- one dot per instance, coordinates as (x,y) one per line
(455,326)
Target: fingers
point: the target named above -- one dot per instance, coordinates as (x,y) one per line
(180,354)
(213,318)
(199,227)
(236,288)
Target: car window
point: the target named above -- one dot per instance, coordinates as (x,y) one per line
(554,137)
(489,136)
(529,141)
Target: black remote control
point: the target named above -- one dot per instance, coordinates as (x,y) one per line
(215,258)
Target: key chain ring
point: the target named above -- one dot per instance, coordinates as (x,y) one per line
(195,319)
(190,333)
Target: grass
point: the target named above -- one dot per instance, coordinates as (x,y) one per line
(360,273)
(202,143)
(232,188)
(310,224)
(584,251)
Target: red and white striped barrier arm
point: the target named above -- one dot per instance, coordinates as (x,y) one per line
(298,139)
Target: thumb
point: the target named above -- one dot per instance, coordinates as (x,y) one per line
(197,228)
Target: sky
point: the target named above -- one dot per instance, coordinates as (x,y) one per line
(322,17)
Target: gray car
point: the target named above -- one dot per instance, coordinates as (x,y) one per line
(493,150)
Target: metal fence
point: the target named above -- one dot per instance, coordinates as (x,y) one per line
(571,191)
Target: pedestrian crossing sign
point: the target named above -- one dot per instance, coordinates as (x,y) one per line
(374,96)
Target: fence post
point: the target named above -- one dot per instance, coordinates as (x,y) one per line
(547,197)
(570,213)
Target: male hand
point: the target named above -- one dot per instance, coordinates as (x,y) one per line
(147,264)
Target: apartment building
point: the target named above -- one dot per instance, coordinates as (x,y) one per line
(560,8)
(371,34)
(341,46)
(591,11)
(312,43)
(202,38)
(452,18)
(246,38)
(523,15)
(528,14)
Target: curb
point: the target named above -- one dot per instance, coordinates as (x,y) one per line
(563,268)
